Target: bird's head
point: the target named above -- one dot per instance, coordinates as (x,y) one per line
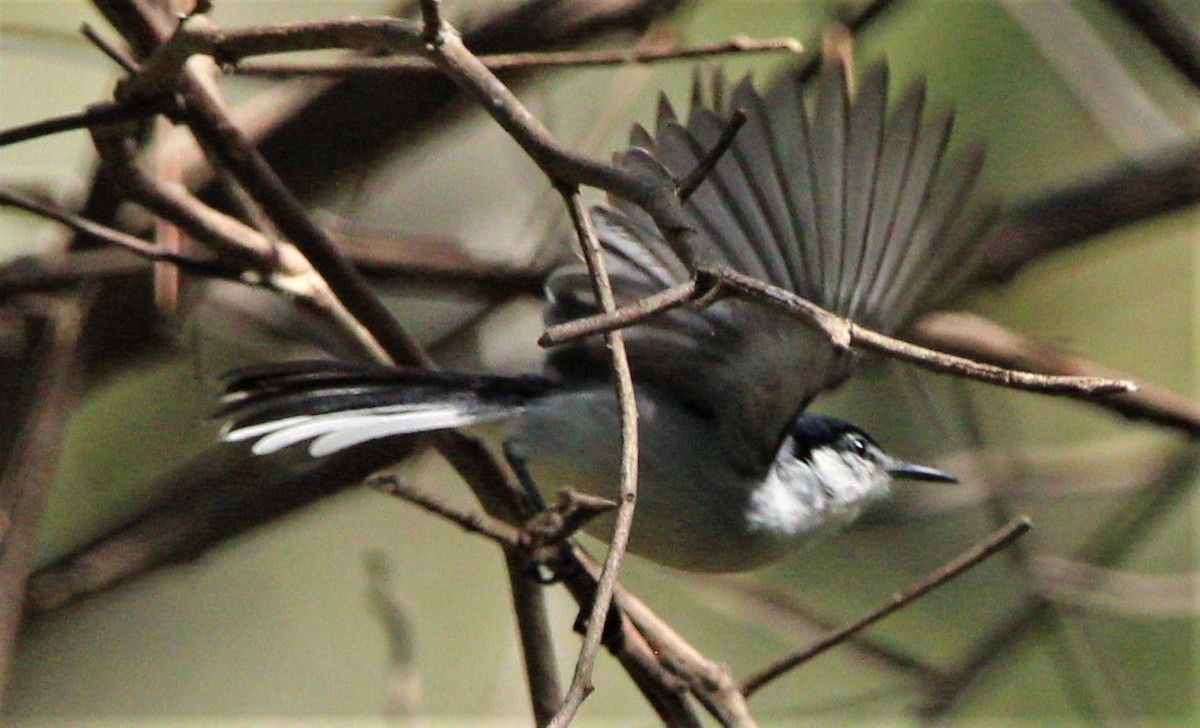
(824,473)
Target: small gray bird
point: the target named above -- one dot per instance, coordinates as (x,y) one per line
(824,192)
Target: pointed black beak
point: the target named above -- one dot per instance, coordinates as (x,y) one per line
(911,471)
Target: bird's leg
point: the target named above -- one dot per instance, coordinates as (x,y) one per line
(521,470)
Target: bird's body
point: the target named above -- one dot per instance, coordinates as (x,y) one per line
(848,206)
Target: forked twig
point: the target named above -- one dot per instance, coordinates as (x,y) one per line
(968,559)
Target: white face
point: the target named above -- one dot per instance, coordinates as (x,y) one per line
(830,487)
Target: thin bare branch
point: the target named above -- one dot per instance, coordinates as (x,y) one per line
(1107,546)
(224,234)
(696,177)
(131,243)
(569,513)
(115,54)
(639,650)
(968,559)
(504,534)
(581,683)
(96,115)
(713,283)
(975,337)
(786,611)
(489,483)
(623,317)
(711,682)
(509,61)
(446,50)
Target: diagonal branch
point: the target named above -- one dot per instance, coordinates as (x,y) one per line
(967,560)
(696,177)
(143,249)
(978,338)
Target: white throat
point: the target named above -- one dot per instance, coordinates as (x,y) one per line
(801,497)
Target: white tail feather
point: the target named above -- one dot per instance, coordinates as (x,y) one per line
(336,431)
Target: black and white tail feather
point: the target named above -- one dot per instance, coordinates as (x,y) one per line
(823,192)
(337,405)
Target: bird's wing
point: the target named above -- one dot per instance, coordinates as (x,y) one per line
(336,405)
(823,192)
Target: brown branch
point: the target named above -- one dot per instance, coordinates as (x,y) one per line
(1106,546)
(638,652)
(489,483)
(509,61)
(162,70)
(504,534)
(137,246)
(581,683)
(563,518)
(705,166)
(975,337)
(1125,193)
(713,283)
(446,50)
(346,286)
(28,475)
(782,608)
(31,274)
(352,121)
(623,317)
(115,54)
(95,115)
(967,560)
(226,235)
(631,649)
(1169,32)
(711,682)
(145,27)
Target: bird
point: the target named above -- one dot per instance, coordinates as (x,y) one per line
(830,190)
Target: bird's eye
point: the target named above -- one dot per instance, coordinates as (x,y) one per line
(858,445)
